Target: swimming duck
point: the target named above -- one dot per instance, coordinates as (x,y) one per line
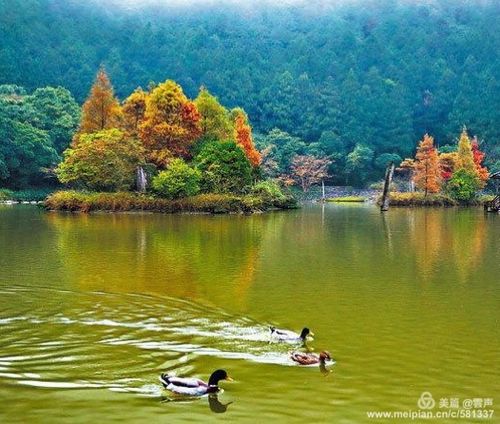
(290,336)
(194,386)
(311,358)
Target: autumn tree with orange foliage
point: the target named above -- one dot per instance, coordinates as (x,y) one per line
(171,124)
(101,110)
(427,173)
(478,157)
(243,137)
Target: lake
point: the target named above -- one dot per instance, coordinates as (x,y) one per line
(94,307)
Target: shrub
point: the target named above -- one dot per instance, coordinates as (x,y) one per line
(106,160)
(179,180)
(420,199)
(463,185)
(5,194)
(224,168)
(269,189)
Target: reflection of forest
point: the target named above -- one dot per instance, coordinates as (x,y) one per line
(207,257)
(266,259)
(457,238)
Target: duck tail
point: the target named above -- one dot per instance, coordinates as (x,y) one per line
(164,379)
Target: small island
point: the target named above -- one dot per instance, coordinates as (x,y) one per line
(162,152)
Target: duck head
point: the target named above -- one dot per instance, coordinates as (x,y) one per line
(325,356)
(217,376)
(306,332)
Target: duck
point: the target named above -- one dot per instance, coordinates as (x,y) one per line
(290,336)
(194,386)
(311,358)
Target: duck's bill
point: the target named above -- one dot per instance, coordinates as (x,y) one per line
(311,334)
(229,378)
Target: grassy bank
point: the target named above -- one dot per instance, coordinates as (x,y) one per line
(442,200)
(77,201)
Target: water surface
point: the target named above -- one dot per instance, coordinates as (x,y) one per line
(94,307)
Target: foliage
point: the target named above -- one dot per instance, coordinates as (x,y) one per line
(280,148)
(465,158)
(78,201)
(25,151)
(224,168)
(215,120)
(380,76)
(243,137)
(55,111)
(309,170)
(33,129)
(178,180)
(106,160)
(26,195)
(478,156)
(171,123)
(358,164)
(463,185)
(382,161)
(101,110)
(447,163)
(134,108)
(427,174)
(269,189)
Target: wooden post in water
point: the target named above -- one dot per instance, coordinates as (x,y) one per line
(388,179)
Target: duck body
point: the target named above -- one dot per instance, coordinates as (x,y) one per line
(193,386)
(290,336)
(303,358)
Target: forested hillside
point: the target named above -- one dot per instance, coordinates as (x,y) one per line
(377,76)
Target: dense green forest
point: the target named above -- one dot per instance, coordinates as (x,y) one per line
(346,81)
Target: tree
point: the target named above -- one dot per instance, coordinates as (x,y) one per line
(101,110)
(283,148)
(447,164)
(134,108)
(55,111)
(463,185)
(171,124)
(359,163)
(215,120)
(103,161)
(383,160)
(427,175)
(177,181)
(224,167)
(243,137)
(25,151)
(478,155)
(465,158)
(309,170)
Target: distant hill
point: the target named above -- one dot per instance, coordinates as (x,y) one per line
(378,73)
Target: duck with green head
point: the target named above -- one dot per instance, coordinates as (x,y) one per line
(194,386)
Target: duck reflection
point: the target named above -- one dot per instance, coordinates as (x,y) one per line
(216,405)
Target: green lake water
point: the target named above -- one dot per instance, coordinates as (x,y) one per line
(94,307)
